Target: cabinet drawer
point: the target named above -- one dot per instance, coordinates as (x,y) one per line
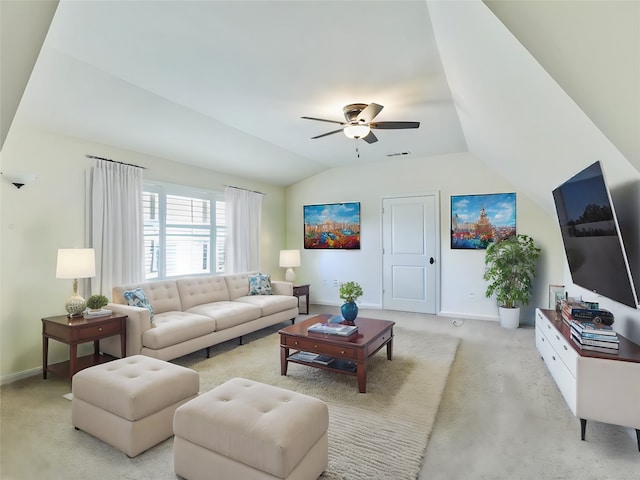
(558,343)
(565,381)
(317,346)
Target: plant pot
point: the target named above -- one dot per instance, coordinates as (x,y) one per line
(349,311)
(509,317)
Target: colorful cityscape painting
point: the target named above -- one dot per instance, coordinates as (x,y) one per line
(478,220)
(332,225)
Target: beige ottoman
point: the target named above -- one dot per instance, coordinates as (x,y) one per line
(129,403)
(248,430)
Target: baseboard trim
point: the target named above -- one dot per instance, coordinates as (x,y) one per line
(14,377)
(466,316)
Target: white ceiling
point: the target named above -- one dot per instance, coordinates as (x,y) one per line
(223,84)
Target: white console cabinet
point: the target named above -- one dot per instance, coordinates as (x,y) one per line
(599,387)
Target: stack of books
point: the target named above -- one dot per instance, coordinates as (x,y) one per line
(595,337)
(583,312)
(333,329)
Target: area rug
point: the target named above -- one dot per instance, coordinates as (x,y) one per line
(380,434)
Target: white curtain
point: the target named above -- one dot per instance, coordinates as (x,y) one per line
(244,217)
(116,225)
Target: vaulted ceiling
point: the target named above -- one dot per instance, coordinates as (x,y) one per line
(223,84)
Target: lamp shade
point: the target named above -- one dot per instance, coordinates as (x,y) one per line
(76,263)
(289,258)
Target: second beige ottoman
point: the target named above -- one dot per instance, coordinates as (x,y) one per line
(129,403)
(248,430)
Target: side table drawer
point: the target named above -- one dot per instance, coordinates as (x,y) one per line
(91,331)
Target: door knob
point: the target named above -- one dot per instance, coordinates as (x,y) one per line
(431,260)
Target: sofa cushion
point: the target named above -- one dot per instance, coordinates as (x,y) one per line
(227,314)
(238,284)
(260,284)
(270,304)
(172,328)
(199,290)
(163,295)
(137,298)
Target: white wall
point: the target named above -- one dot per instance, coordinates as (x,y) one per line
(461,270)
(49,214)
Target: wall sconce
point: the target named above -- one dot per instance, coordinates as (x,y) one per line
(290,259)
(19,180)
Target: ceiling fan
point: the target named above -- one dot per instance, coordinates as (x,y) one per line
(359,122)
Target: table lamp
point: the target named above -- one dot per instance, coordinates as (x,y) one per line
(76,263)
(288,260)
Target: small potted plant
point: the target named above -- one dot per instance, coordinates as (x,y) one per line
(510,269)
(349,293)
(97,302)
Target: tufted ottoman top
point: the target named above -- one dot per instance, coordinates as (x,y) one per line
(268,428)
(135,387)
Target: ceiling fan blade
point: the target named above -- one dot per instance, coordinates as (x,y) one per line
(323,120)
(394,125)
(369,113)
(370,138)
(325,134)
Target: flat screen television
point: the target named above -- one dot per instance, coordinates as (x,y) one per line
(592,241)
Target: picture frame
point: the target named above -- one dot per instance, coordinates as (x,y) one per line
(556,295)
(479,220)
(332,226)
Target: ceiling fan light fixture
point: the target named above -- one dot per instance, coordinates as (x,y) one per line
(356,131)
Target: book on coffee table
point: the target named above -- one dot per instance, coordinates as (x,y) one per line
(333,329)
(323,359)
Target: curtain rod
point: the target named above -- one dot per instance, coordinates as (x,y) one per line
(245,189)
(114,161)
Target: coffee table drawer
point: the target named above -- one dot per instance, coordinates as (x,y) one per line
(320,347)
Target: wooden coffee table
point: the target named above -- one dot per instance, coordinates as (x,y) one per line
(350,354)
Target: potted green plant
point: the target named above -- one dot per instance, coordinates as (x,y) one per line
(510,269)
(349,293)
(97,302)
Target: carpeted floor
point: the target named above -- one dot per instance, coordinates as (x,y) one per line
(381,434)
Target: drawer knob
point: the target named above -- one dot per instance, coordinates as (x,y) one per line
(553,357)
(565,347)
(100,329)
(295,342)
(342,352)
(557,337)
(315,346)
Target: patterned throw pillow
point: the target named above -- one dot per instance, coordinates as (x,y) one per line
(137,298)
(260,284)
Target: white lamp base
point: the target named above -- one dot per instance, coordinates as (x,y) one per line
(290,276)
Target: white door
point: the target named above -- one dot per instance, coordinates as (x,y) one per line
(410,269)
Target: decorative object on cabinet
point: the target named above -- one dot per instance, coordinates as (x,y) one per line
(288,260)
(511,266)
(75,263)
(473,228)
(350,292)
(332,226)
(556,296)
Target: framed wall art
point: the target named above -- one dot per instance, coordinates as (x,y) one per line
(478,220)
(332,226)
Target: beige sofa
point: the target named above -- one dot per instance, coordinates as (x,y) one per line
(195,313)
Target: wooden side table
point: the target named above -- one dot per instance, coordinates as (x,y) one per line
(299,291)
(74,331)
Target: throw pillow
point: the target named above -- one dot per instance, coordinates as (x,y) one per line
(137,298)
(260,284)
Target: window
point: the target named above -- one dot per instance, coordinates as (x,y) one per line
(180,227)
